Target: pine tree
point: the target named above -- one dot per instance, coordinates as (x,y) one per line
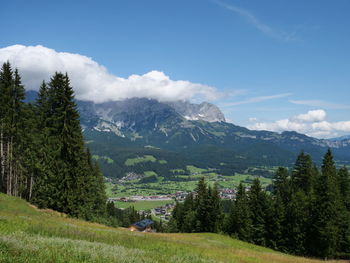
(275,222)
(6,81)
(97,187)
(202,202)
(176,221)
(344,219)
(11,113)
(216,212)
(302,176)
(189,215)
(296,217)
(259,205)
(69,182)
(45,179)
(281,185)
(344,186)
(326,226)
(240,223)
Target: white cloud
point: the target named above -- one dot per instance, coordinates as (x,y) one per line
(311,116)
(312,123)
(92,81)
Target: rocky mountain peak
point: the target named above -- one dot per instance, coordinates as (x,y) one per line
(204,111)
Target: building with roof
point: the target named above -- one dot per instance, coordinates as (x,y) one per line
(144,225)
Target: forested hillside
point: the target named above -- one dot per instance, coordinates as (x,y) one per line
(43,158)
(307,213)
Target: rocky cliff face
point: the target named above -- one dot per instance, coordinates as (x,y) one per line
(204,111)
(140,113)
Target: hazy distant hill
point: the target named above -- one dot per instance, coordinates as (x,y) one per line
(341,138)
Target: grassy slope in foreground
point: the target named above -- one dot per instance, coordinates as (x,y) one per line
(31,235)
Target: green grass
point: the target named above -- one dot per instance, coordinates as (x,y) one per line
(145,158)
(246,179)
(29,235)
(149,173)
(143,205)
(195,170)
(177,171)
(187,183)
(106,158)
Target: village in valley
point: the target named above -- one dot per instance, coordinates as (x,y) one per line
(163,212)
(160,205)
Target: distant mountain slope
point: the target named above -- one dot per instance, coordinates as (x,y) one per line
(204,111)
(31,235)
(341,138)
(124,129)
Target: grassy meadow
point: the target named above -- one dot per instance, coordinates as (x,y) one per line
(143,205)
(184,183)
(29,235)
(134,161)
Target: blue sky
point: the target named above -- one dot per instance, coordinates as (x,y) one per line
(272,62)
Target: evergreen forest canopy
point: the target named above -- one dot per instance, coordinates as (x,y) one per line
(307,213)
(43,158)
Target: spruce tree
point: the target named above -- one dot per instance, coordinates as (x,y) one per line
(216,212)
(302,176)
(326,225)
(203,204)
(176,221)
(6,83)
(97,187)
(296,216)
(344,219)
(70,182)
(12,177)
(45,180)
(189,215)
(259,205)
(281,185)
(275,222)
(344,186)
(240,223)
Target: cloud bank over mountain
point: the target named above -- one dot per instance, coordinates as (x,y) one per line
(312,123)
(92,81)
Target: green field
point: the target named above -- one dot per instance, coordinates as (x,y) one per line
(195,170)
(143,205)
(187,183)
(149,173)
(145,158)
(29,235)
(106,158)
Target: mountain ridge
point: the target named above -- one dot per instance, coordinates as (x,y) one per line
(123,129)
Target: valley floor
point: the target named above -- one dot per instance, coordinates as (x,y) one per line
(31,235)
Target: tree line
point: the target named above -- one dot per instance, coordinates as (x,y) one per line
(307,212)
(43,158)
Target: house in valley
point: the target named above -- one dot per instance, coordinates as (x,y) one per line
(144,225)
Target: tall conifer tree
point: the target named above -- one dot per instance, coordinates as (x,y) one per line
(259,205)
(240,223)
(326,234)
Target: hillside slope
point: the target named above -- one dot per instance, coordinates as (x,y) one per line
(31,235)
